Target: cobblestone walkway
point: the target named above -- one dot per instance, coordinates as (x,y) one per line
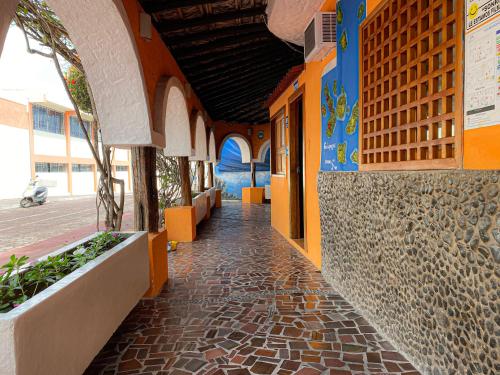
(241,300)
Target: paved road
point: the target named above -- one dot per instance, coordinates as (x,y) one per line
(48,226)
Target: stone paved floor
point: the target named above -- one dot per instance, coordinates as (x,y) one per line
(241,300)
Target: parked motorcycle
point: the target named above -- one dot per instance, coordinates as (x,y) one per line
(34,194)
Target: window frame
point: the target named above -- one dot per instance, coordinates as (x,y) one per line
(51,167)
(44,122)
(74,128)
(279,144)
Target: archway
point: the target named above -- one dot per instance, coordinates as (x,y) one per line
(200,152)
(243,144)
(172,118)
(101,33)
(264,148)
(212,149)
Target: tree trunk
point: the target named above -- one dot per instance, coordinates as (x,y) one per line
(146,215)
(200,169)
(252,173)
(186,197)
(210,175)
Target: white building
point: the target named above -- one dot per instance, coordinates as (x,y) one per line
(44,138)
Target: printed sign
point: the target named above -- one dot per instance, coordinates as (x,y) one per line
(340,93)
(482,64)
(479,11)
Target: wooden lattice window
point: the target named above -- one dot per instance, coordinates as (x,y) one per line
(412,85)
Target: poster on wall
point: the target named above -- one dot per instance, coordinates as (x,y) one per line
(340,93)
(482,64)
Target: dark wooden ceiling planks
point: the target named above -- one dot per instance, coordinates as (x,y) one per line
(232,61)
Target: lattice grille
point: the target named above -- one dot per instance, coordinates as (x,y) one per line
(412,85)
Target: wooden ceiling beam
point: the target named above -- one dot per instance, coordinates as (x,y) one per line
(231,104)
(194,62)
(233,60)
(155,6)
(179,40)
(223,95)
(242,100)
(245,111)
(254,78)
(256,117)
(225,43)
(228,76)
(233,65)
(174,25)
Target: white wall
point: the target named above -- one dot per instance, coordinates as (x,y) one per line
(15,170)
(80,148)
(83,183)
(121,154)
(56,182)
(49,144)
(123,176)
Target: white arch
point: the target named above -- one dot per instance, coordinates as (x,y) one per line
(212,150)
(172,117)
(243,144)
(200,137)
(101,33)
(261,157)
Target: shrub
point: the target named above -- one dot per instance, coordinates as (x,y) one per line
(20,280)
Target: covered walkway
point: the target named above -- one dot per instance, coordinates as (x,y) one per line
(241,300)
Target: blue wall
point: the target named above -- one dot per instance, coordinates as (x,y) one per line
(232,175)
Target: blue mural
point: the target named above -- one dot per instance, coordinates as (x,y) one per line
(340,93)
(231,175)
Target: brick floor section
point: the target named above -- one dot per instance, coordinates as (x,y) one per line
(241,300)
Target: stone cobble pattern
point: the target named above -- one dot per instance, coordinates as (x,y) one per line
(241,300)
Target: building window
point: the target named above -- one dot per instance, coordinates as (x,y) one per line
(75,129)
(412,81)
(50,167)
(82,168)
(47,120)
(122,168)
(278,145)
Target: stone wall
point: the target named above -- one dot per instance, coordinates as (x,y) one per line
(419,254)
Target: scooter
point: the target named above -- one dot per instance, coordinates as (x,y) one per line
(34,194)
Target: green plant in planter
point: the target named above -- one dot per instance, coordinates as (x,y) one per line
(20,280)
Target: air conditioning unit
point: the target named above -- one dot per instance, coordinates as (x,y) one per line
(320,36)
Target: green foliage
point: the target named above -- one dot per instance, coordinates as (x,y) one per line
(20,281)
(77,83)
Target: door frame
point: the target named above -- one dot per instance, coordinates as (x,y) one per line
(294,158)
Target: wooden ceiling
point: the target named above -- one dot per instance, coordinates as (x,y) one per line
(232,61)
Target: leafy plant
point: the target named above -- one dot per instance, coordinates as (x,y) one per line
(20,280)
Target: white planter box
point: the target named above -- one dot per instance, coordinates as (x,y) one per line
(200,204)
(60,330)
(211,192)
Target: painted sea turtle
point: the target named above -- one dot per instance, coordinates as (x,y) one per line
(341,152)
(332,122)
(354,156)
(341,105)
(343,41)
(361,10)
(353,121)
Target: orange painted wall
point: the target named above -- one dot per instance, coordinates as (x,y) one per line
(482,148)
(14,114)
(156,59)
(280,203)
(223,129)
